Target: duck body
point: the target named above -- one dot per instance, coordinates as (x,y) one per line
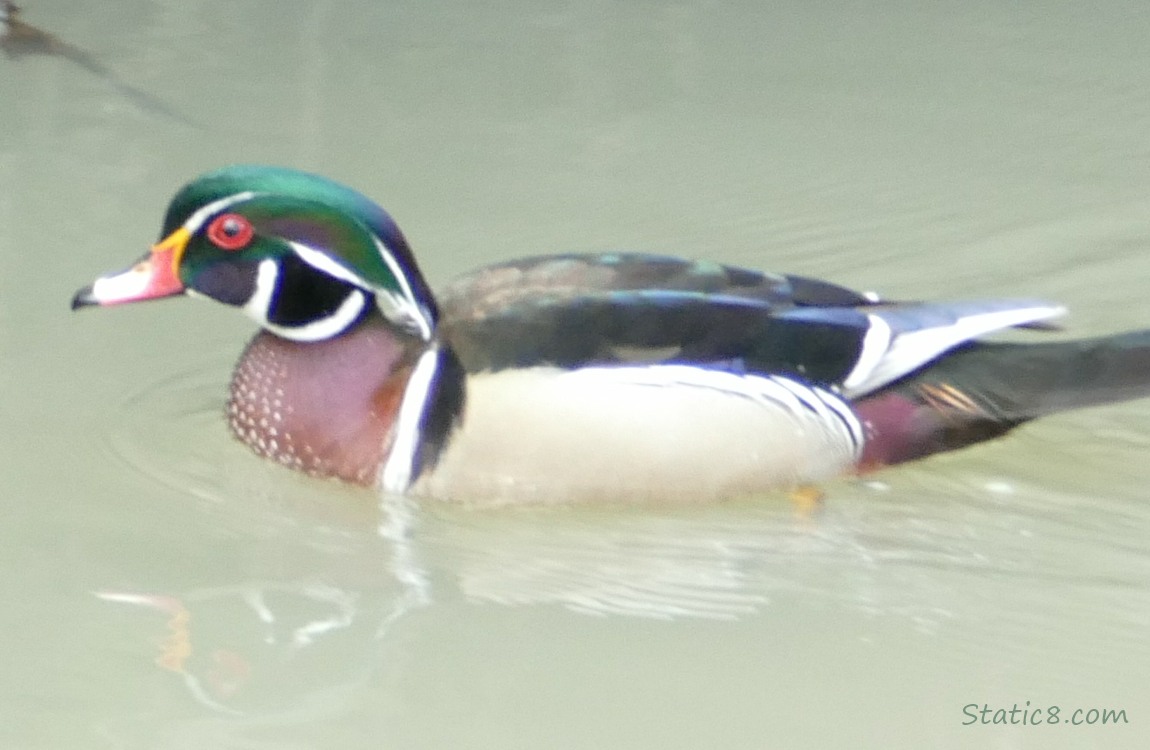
(569,378)
(599,419)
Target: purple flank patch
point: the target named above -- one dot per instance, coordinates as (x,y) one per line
(897,429)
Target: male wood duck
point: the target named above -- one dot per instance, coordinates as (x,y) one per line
(585,377)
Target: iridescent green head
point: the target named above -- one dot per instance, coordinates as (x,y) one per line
(306,257)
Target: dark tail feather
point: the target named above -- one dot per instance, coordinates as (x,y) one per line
(982,390)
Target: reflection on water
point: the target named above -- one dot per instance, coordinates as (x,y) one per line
(235,647)
(711,563)
(273,644)
(915,149)
(239,645)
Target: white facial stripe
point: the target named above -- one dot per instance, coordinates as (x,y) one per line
(400,464)
(411,309)
(399,310)
(325,328)
(323,262)
(267,276)
(394,307)
(259,304)
(197,219)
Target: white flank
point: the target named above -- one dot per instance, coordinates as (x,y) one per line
(397,469)
(828,406)
(794,396)
(666,433)
(846,414)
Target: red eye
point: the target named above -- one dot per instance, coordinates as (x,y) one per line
(230,232)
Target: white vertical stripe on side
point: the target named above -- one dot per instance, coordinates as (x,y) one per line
(398,468)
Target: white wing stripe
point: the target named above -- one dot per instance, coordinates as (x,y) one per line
(875,345)
(908,351)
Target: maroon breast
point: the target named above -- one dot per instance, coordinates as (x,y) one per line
(325,408)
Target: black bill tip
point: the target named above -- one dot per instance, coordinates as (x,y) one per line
(84,298)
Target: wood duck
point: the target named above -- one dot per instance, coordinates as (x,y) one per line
(567,378)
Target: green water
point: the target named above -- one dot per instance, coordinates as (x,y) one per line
(922,150)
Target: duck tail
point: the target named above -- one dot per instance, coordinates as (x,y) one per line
(984,389)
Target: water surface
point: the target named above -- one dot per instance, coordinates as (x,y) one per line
(167,590)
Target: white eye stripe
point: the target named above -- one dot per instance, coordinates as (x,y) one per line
(197,219)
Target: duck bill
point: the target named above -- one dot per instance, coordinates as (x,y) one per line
(155,276)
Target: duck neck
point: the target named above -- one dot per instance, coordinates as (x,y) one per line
(328,408)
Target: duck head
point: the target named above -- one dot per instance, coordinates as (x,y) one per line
(344,310)
(303,256)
